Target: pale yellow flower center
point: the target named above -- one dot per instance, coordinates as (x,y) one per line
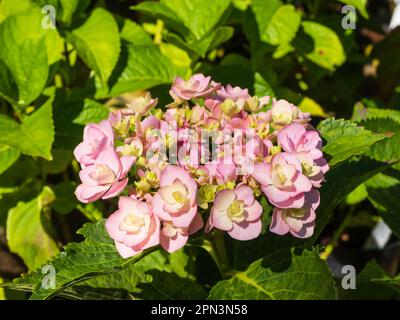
(236,211)
(133,223)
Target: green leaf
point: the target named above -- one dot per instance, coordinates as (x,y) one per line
(133,33)
(33,137)
(360,5)
(69,9)
(92,112)
(11,7)
(98,43)
(61,160)
(139,68)
(179,58)
(28,66)
(341,180)
(159,275)
(8,156)
(321,45)
(191,18)
(27,51)
(26,234)
(163,12)
(345,139)
(373,284)
(219,36)
(312,107)
(199,16)
(277,23)
(361,113)
(387,150)
(283,275)
(262,87)
(95,256)
(383,191)
(65,199)
(357,195)
(26,25)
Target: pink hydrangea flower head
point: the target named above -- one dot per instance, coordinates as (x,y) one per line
(197,86)
(96,138)
(237,212)
(299,222)
(175,200)
(282,181)
(173,238)
(105,178)
(133,227)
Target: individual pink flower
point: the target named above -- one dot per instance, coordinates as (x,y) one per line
(234,93)
(223,171)
(196,87)
(141,105)
(173,238)
(175,200)
(282,181)
(133,227)
(96,138)
(237,212)
(284,113)
(105,178)
(295,138)
(299,222)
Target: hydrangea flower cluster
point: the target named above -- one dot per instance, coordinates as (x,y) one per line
(202,162)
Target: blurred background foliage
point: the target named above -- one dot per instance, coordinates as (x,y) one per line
(105,52)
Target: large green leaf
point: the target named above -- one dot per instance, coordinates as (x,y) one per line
(8,156)
(95,256)
(78,262)
(11,7)
(159,275)
(199,16)
(277,23)
(283,275)
(27,50)
(191,18)
(373,284)
(27,235)
(27,24)
(383,191)
(321,45)
(163,12)
(346,139)
(98,43)
(341,181)
(34,136)
(383,121)
(65,199)
(361,113)
(139,67)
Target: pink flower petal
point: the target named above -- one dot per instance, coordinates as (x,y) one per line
(116,189)
(246,230)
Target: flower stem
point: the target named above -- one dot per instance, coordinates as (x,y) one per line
(219,244)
